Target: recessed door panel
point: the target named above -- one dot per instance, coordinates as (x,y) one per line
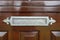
(3,36)
(55,35)
(26,35)
(29,35)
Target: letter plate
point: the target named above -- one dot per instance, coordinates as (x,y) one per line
(29,20)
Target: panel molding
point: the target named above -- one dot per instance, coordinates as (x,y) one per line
(32,35)
(55,35)
(4,35)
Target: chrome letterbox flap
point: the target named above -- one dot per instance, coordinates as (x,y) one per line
(29,20)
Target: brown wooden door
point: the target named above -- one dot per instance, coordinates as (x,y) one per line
(8,32)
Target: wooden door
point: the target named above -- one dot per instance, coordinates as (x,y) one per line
(28,8)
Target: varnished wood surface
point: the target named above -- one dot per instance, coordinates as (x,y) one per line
(30,32)
(32,0)
(21,6)
(44,31)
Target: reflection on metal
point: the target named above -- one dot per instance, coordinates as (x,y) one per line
(29,20)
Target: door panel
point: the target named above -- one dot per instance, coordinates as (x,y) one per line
(3,35)
(29,35)
(55,35)
(26,35)
(40,8)
(18,6)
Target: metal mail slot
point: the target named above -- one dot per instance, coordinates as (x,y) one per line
(29,20)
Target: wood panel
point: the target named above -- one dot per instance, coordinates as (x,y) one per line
(32,0)
(55,35)
(29,35)
(16,35)
(8,9)
(45,0)
(3,36)
(18,6)
(26,35)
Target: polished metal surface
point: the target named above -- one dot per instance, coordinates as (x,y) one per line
(29,21)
